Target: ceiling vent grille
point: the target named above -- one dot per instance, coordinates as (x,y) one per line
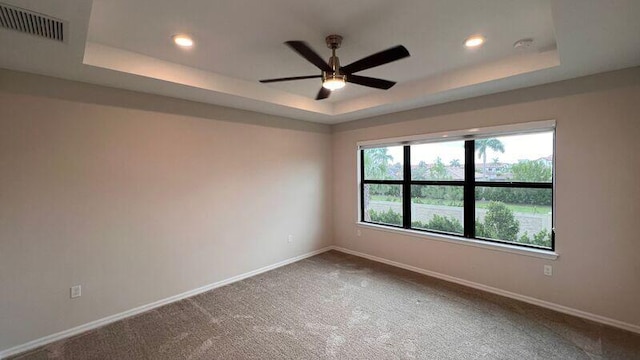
(29,22)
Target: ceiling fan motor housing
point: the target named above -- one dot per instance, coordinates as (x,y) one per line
(334,62)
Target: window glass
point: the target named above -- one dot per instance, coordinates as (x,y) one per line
(520,158)
(384,163)
(438,208)
(438,161)
(383,204)
(516,215)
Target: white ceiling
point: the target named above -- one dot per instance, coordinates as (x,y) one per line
(127,44)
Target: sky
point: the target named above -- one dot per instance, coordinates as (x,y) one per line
(517,147)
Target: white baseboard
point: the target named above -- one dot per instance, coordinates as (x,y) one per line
(531,300)
(109,319)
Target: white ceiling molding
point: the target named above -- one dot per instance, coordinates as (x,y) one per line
(127,44)
(132,63)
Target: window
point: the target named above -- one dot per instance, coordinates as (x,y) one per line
(437,187)
(382,189)
(494,187)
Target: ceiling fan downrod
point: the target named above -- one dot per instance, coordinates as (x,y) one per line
(333,43)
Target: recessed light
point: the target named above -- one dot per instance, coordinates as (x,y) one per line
(183,41)
(474,41)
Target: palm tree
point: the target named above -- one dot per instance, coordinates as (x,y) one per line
(376,163)
(454,163)
(481,147)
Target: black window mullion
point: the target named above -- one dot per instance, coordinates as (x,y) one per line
(384,182)
(438,182)
(520,185)
(406,189)
(362,185)
(469,189)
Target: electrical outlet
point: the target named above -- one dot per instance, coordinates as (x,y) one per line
(290,238)
(548,270)
(359,232)
(76,291)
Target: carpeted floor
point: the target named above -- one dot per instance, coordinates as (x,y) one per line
(337,306)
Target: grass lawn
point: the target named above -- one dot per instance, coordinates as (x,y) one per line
(516,208)
(385,198)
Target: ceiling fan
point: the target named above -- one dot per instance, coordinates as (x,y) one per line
(335,76)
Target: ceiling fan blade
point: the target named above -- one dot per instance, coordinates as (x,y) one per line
(306,52)
(291,78)
(377,59)
(323,94)
(370,82)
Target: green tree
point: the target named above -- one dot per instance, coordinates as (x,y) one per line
(420,172)
(499,223)
(532,171)
(455,163)
(481,147)
(430,194)
(376,163)
(438,171)
(395,171)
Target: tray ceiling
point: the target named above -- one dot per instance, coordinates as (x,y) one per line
(127,44)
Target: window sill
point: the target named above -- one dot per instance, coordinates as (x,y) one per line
(543,254)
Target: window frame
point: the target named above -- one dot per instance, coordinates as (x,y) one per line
(469,184)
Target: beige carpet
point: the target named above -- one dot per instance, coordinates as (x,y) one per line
(336,306)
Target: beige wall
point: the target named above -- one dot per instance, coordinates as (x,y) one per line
(140,197)
(597,189)
(140,205)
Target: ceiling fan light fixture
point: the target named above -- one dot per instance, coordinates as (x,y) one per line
(334,82)
(474,41)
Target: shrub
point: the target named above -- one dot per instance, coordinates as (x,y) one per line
(499,223)
(440,223)
(542,238)
(386,217)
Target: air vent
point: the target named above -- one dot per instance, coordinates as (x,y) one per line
(29,22)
